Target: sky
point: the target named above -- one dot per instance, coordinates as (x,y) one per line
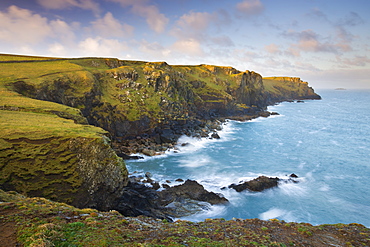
(324,42)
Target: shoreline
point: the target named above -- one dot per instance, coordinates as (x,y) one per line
(207,129)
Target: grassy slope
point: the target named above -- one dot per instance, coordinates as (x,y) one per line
(40,222)
(35,135)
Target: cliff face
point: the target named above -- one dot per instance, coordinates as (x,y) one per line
(130,98)
(287,88)
(44,155)
(48,148)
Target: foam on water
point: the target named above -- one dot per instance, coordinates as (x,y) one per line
(274,213)
(314,140)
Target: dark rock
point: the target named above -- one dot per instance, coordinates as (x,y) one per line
(293,175)
(179,180)
(148,175)
(168,181)
(137,199)
(191,190)
(258,184)
(129,157)
(215,136)
(274,113)
(148,152)
(155,185)
(166,186)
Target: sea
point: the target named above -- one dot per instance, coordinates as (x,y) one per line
(326,143)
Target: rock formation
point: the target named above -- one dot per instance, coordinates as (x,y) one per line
(48,143)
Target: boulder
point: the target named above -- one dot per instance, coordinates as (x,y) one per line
(137,199)
(215,135)
(191,190)
(257,185)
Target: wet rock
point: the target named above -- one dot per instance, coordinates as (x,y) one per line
(166,186)
(191,190)
(293,175)
(137,199)
(257,185)
(179,180)
(155,185)
(148,152)
(215,136)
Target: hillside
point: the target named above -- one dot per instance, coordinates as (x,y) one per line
(40,222)
(58,117)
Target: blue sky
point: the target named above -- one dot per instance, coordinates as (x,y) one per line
(325,42)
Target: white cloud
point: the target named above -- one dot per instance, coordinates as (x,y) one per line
(188,47)
(250,7)
(154,50)
(108,26)
(57,49)
(62,31)
(154,18)
(99,46)
(198,21)
(63,4)
(21,26)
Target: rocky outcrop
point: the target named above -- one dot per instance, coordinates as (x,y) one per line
(157,102)
(261,183)
(172,202)
(257,185)
(81,171)
(287,89)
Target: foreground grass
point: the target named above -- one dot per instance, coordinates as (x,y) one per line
(41,222)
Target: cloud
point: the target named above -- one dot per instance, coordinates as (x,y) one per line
(358,61)
(198,21)
(99,46)
(353,19)
(156,20)
(63,4)
(188,47)
(108,26)
(310,41)
(62,31)
(272,48)
(250,7)
(21,26)
(57,49)
(222,40)
(155,50)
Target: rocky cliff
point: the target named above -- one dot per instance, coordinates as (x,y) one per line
(48,107)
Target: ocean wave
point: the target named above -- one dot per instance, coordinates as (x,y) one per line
(274,213)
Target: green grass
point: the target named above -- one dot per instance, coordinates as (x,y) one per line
(41,222)
(17,124)
(11,57)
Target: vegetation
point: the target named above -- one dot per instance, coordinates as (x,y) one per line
(47,149)
(41,222)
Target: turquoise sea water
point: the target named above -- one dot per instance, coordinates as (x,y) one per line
(325,142)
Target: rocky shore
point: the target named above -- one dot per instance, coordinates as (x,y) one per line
(166,138)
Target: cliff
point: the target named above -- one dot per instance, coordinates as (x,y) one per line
(48,107)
